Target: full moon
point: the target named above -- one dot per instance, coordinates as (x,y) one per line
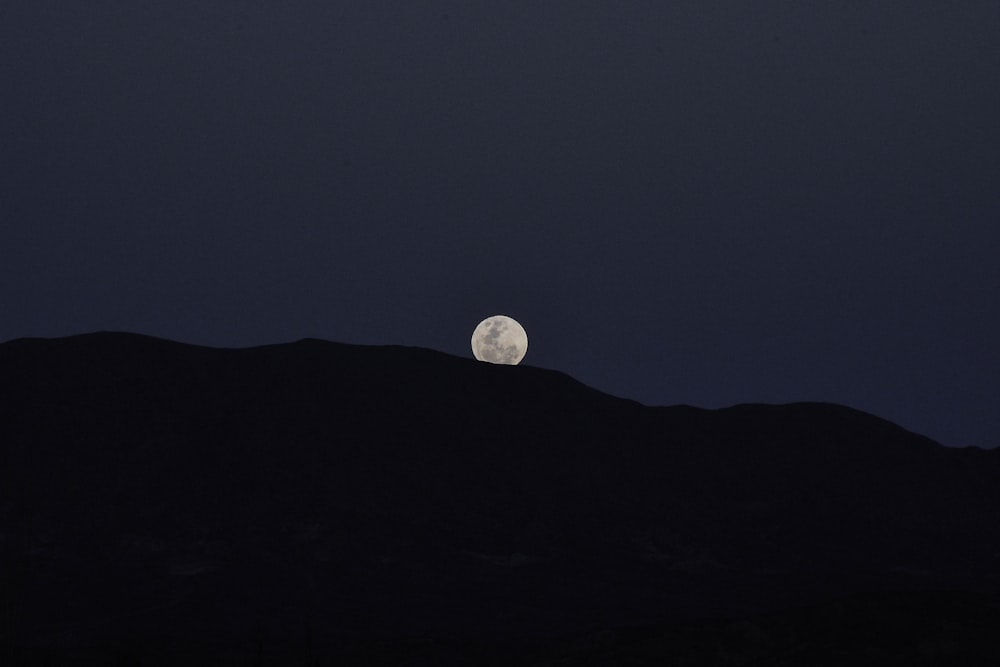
(499,340)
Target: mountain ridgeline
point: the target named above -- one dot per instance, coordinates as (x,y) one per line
(296,503)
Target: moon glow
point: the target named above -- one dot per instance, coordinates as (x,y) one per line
(499,340)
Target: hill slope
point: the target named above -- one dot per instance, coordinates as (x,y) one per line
(318,497)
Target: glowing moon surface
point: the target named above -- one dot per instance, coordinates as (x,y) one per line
(499,340)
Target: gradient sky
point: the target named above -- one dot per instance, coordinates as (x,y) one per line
(702,202)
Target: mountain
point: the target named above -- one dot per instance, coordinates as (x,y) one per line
(321,503)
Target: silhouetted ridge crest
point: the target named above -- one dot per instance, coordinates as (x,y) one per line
(387,489)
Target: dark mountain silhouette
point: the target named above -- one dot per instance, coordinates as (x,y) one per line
(321,503)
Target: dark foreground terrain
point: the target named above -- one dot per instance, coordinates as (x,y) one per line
(317,503)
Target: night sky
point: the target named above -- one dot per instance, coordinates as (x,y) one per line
(701,202)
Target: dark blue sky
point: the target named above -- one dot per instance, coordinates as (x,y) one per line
(683,202)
